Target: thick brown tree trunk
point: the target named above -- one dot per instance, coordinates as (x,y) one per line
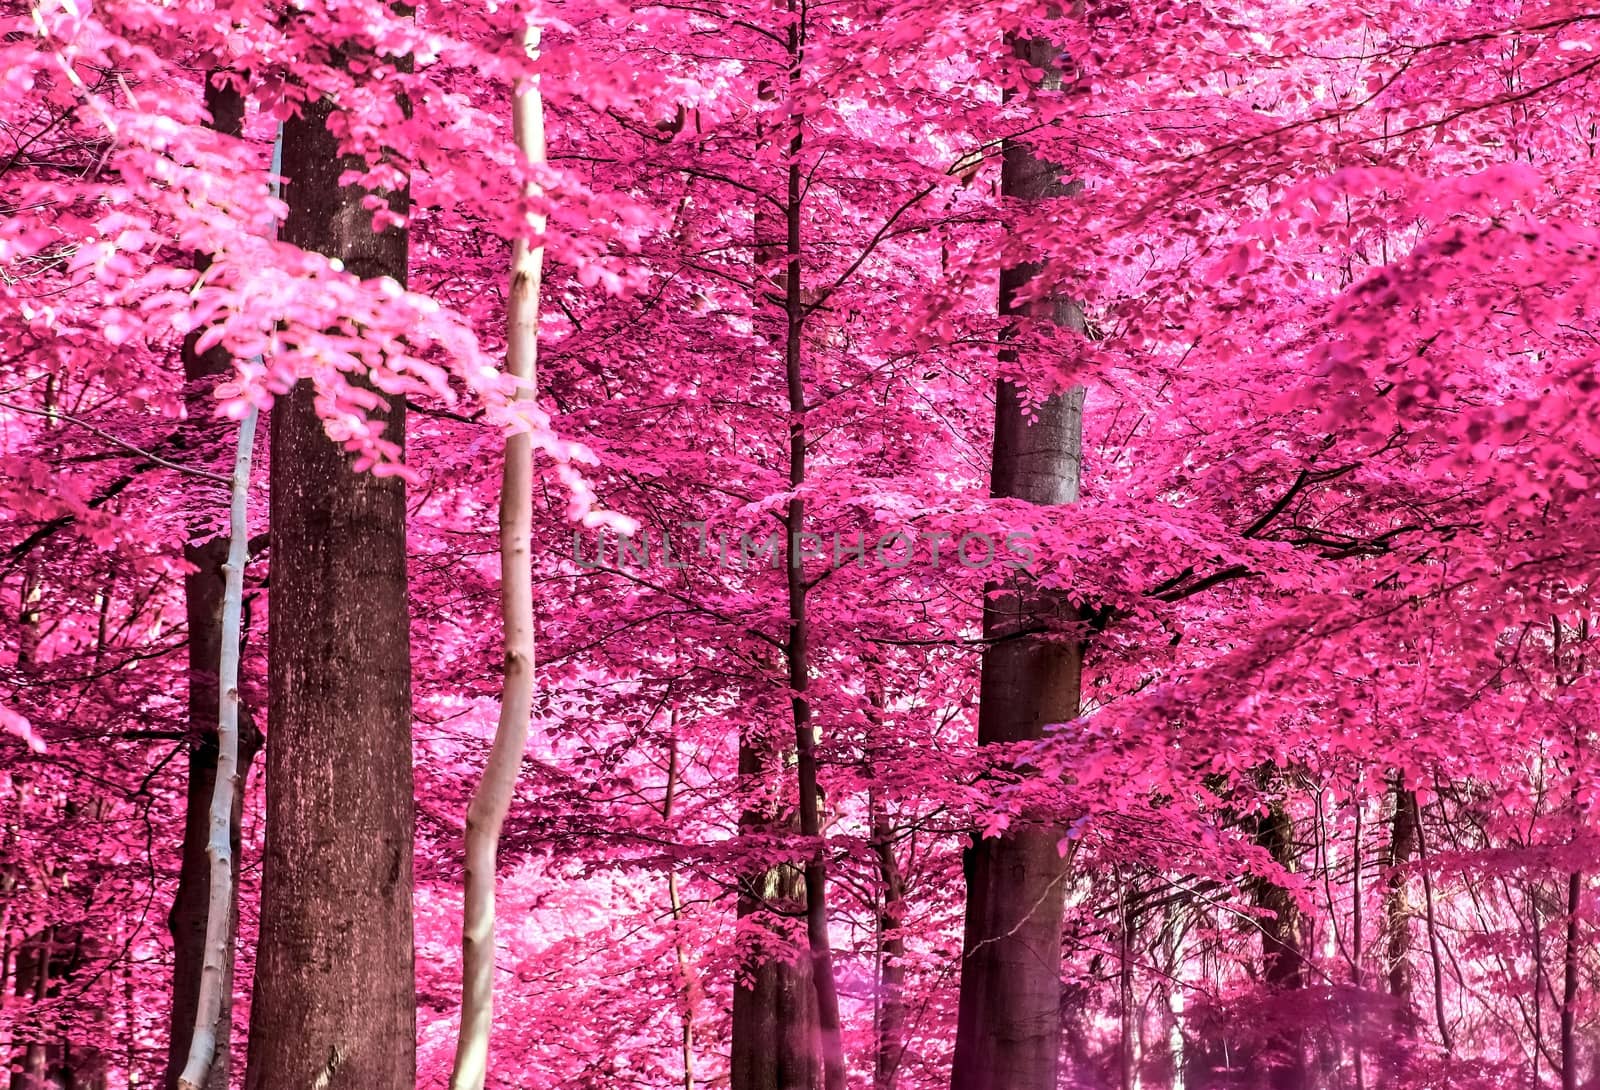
(202,594)
(334,1000)
(1008,1034)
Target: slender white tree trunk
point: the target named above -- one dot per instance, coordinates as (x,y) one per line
(686,975)
(214,975)
(493,797)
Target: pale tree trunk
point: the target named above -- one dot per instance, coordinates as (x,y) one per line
(1173,947)
(889,1029)
(1008,1032)
(1357,944)
(334,1004)
(1324,1044)
(688,992)
(203,599)
(490,802)
(216,973)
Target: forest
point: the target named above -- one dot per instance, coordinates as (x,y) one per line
(799,545)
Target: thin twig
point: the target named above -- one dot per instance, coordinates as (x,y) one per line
(123,443)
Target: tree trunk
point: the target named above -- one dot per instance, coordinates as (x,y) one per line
(48,963)
(1397,923)
(889,1029)
(202,596)
(36,972)
(492,799)
(334,1001)
(1008,1033)
(1430,919)
(1282,958)
(779,1020)
(1128,1031)
(798,646)
(1174,985)
(222,913)
(1571,953)
(774,1007)
(688,991)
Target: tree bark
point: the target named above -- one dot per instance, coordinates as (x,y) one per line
(1571,953)
(889,1028)
(1008,1032)
(1128,1033)
(1282,957)
(1397,913)
(774,1044)
(491,801)
(1430,919)
(798,645)
(688,992)
(203,595)
(37,973)
(774,1038)
(786,1033)
(222,913)
(334,1000)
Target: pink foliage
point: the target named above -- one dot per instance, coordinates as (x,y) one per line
(1334,550)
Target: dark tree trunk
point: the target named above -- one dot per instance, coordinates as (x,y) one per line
(774,1001)
(1129,1031)
(202,593)
(1008,1034)
(38,964)
(47,962)
(1282,958)
(777,1026)
(797,648)
(334,1000)
(1571,953)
